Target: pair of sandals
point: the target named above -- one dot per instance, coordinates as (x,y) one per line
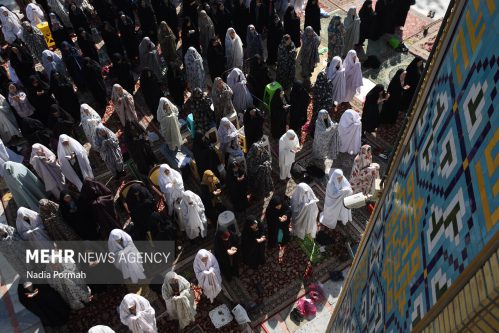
(431,14)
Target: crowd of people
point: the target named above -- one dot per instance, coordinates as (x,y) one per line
(202,63)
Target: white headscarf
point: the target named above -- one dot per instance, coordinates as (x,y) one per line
(181,306)
(81,157)
(350,132)
(193,215)
(114,237)
(35,14)
(233,50)
(34,230)
(287,157)
(124,105)
(100,329)
(337,78)
(208,275)
(168,123)
(144,320)
(47,167)
(242,98)
(166,289)
(130,269)
(304,211)
(172,185)
(334,187)
(11,25)
(226,131)
(89,121)
(353,75)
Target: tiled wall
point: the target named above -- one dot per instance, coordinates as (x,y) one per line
(443,205)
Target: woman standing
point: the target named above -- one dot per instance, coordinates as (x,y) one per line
(48,169)
(74,161)
(34,40)
(278,217)
(30,227)
(253,243)
(322,95)
(350,132)
(279,114)
(171,185)
(259,166)
(289,145)
(364,172)
(373,105)
(253,126)
(352,28)
(200,106)
(233,50)
(353,75)
(19,101)
(92,72)
(274,37)
(179,299)
(41,98)
(65,94)
(76,216)
(167,115)
(226,250)
(137,314)
(397,89)
(206,31)
(139,149)
(107,144)
(309,52)
(326,140)
(8,122)
(221,96)
(216,58)
(304,211)
(338,188)
(208,274)
(122,72)
(124,105)
(193,217)
(367,21)
(167,42)
(121,244)
(253,42)
(313,16)
(292,26)
(336,74)
(150,87)
(25,187)
(286,62)
(149,57)
(89,121)
(194,69)
(74,62)
(53,63)
(237,186)
(335,38)
(242,97)
(55,225)
(300,99)
(211,193)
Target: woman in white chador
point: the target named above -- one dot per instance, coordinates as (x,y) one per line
(208,273)
(73,289)
(89,121)
(326,141)
(233,49)
(35,14)
(353,75)
(47,168)
(350,132)
(137,313)
(11,25)
(171,185)
(167,115)
(7,155)
(337,189)
(8,123)
(304,211)
(74,161)
(226,133)
(124,105)
(179,299)
(121,244)
(336,74)
(30,226)
(193,216)
(288,147)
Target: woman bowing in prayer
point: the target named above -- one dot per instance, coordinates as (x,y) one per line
(149,57)
(211,193)
(336,74)
(25,187)
(137,314)
(54,223)
(74,161)
(171,185)
(309,52)
(194,69)
(139,148)
(8,122)
(353,75)
(338,188)
(326,140)
(221,96)
(107,144)
(167,115)
(350,132)
(19,101)
(364,172)
(286,62)
(233,50)
(193,217)
(89,121)
(48,169)
(121,245)
(304,211)
(124,105)
(352,30)
(373,105)
(253,243)
(289,145)
(44,302)
(208,274)
(30,227)
(179,299)
(336,38)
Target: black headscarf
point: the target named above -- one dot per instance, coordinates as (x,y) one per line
(122,72)
(92,71)
(138,147)
(60,121)
(370,113)
(141,205)
(272,215)
(64,93)
(300,99)
(253,126)
(292,26)
(77,216)
(87,45)
(313,16)
(151,89)
(40,96)
(252,251)
(34,131)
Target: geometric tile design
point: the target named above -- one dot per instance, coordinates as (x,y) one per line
(442,207)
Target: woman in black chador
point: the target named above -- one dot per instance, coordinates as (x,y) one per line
(253,243)
(138,147)
(300,99)
(277,216)
(227,251)
(151,89)
(236,184)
